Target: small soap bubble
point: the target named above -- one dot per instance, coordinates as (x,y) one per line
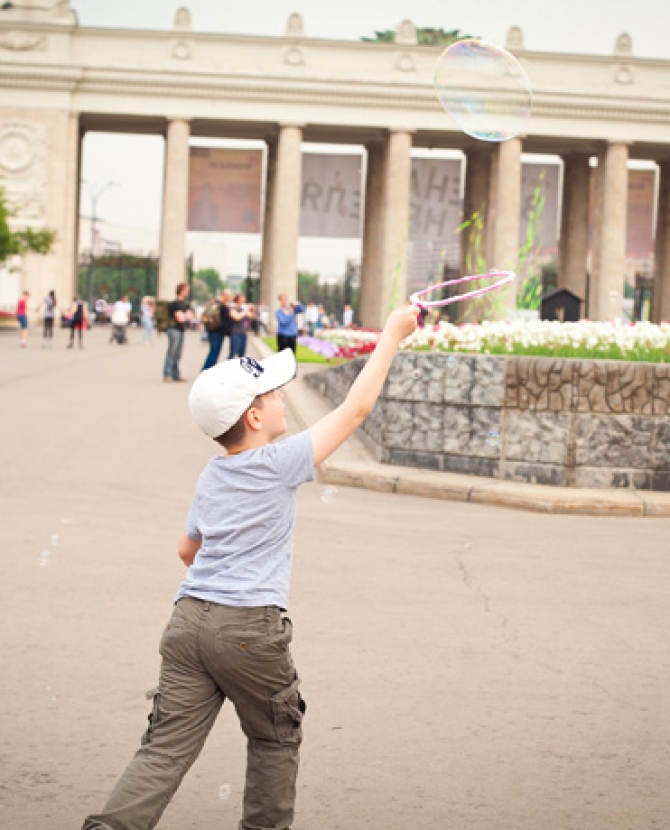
(45,558)
(451,361)
(66,521)
(329,494)
(224,792)
(54,540)
(493,438)
(484,89)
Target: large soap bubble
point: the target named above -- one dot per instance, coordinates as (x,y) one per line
(484,89)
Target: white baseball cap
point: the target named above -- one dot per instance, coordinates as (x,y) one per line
(221,395)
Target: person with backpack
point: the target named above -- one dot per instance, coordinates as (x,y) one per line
(50,305)
(218,323)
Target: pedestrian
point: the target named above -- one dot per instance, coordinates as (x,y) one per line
(50,306)
(147,312)
(120,320)
(347,317)
(287,325)
(324,319)
(240,315)
(218,325)
(22,318)
(311,318)
(179,315)
(77,321)
(228,636)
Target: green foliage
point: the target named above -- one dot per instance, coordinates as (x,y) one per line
(211,278)
(308,287)
(201,292)
(582,353)
(6,243)
(37,242)
(530,293)
(114,276)
(386,36)
(394,298)
(21,242)
(425,37)
(491,306)
(438,37)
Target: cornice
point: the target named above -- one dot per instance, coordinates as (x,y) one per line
(82,33)
(292,91)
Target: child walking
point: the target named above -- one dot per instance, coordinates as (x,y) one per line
(228,636)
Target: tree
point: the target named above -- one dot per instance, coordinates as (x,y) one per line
(424,37)
(13,243)
(200,291)
(211,279)
(308,287)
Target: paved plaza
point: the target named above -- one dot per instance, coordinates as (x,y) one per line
(465,666)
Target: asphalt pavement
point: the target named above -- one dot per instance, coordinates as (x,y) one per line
(465,665)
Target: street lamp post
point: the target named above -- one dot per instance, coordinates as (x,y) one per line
(94,193)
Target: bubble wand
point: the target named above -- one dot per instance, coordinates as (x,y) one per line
(502,277)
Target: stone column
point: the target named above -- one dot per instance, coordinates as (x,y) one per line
(174,222)
(476,201)
(386,232)
(574,242)
(397,184)
(284,225)
(492,211)
(610,257)
(507,214)
(596,185)
(373,238)
(266,250)
(661,305)
(67,287)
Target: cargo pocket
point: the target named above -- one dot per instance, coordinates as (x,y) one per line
(153,715)
(288,709)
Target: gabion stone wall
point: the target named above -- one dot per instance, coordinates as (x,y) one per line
(573,423)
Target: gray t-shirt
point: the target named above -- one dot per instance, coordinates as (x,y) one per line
(243,512)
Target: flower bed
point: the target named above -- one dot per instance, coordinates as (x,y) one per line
(586,339)
(341,343)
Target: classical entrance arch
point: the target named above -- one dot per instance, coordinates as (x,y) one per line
(60,80)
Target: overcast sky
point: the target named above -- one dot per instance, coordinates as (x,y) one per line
(560,25)
(580,26)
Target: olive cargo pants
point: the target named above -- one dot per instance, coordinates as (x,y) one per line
(209,653)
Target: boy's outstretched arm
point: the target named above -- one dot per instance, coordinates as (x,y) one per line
(334,429)
(187,549)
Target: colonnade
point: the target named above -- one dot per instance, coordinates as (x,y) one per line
(493,186)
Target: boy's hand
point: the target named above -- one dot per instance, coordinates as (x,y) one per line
(402,322)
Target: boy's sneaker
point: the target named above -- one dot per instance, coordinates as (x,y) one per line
(167,380)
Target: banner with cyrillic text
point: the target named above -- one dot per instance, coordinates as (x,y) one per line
(224,191)
(640,213)
(435,200)
(331,195)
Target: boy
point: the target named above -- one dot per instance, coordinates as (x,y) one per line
(227,637)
